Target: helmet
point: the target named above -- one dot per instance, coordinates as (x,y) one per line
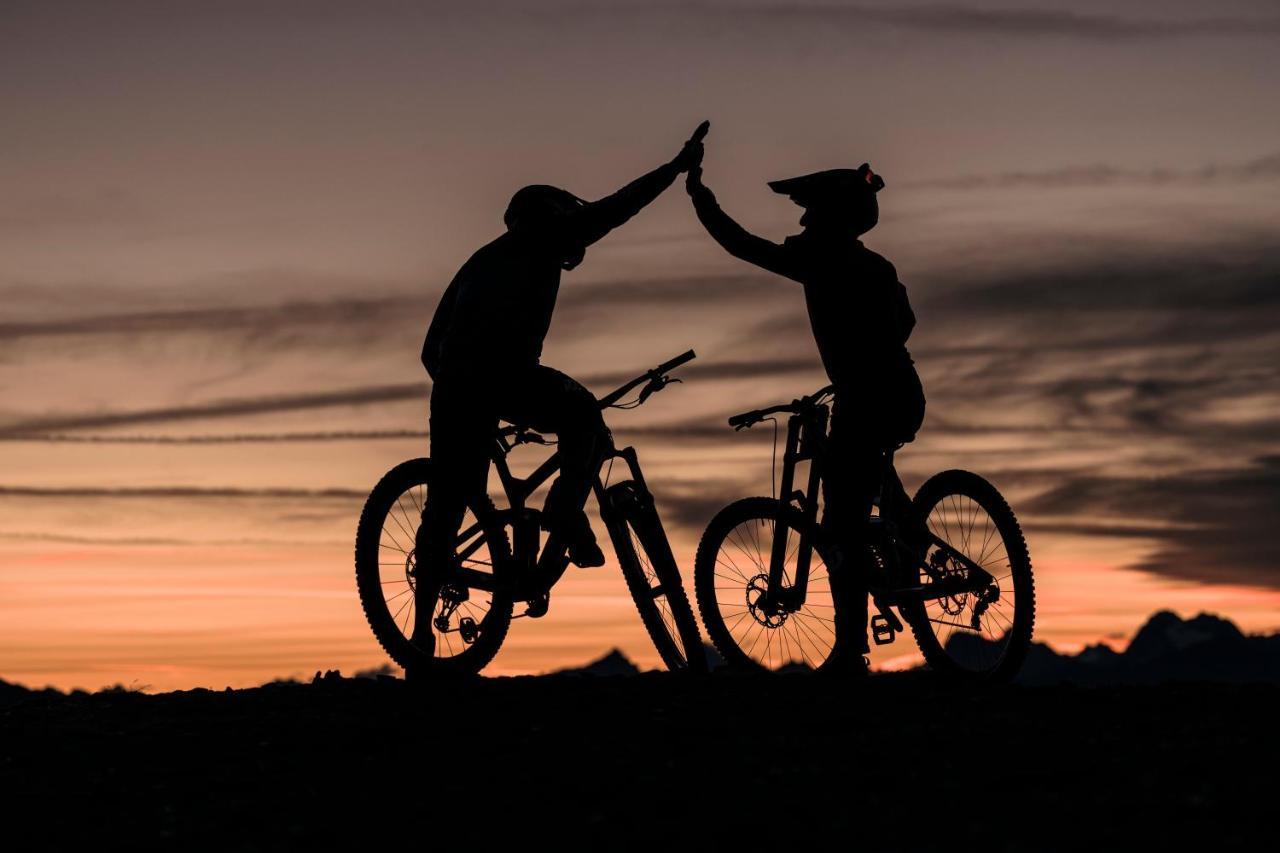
(534,210)
(844,197)
(538,203)
(830,187)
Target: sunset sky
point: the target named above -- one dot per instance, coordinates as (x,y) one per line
(224,228)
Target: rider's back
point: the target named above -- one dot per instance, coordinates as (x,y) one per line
(495,313)
(859,311)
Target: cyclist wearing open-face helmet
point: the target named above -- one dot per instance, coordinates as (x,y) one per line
(861,319)
(482,352)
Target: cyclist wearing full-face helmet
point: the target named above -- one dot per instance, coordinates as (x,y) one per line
(861,319)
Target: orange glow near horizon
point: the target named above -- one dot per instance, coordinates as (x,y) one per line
(161,618)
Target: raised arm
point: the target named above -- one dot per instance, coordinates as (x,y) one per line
(598,218)
(735,239)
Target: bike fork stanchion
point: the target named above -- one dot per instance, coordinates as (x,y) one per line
(811,448)
(778,553)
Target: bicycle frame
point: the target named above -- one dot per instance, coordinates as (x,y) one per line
(807,441)
(538,568)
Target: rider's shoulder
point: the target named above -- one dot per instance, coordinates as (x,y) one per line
(485,259)
(876,261)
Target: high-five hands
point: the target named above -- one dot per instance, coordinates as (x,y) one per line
(690,156)
(693,176)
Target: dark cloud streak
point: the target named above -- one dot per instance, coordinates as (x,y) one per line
(962,20)
(1216,526)
(1102,175)
(194,492)
(229,408)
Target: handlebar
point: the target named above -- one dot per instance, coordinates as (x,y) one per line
(656,379)
(795,407)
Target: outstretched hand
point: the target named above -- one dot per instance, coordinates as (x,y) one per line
(690,156)
(693,180)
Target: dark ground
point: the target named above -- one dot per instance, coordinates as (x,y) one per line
(898,762)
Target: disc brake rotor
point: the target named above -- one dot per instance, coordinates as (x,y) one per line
(759,605)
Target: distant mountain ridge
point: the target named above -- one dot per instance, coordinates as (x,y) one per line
(613,663)
(1166,648)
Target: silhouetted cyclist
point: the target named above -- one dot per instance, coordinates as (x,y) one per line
(861,319)
(482,352)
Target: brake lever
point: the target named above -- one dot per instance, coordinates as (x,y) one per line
(656,384)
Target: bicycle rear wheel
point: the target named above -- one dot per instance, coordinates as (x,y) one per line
(469,623)
(731,574)
(959,635)
(653,578)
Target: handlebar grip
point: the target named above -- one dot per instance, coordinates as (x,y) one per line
(701,132)
(683,358)
(744,419)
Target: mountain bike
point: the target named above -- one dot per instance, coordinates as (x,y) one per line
(763,571)
(499,560)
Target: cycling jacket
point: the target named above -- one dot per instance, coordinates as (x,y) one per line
(858,309)
(495,313)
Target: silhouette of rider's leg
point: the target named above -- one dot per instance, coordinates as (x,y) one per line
(865,424)
(461,432)
(849,484)
(548,400)
(904,417)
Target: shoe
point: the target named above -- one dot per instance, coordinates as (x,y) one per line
(846,664)
(585,553)
(580,540)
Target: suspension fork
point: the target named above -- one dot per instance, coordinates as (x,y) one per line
(640,505)
(805,441)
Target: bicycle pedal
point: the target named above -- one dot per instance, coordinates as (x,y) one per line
(882,630)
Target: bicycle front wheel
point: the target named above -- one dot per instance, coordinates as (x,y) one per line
(653,578)
(751,626)
(980,635)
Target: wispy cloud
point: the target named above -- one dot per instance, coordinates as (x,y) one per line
(1103,175)
(1217,525)
(152,492)
(256,320)
(955,19)
(1032,23)
(227,438)
(52,428)
(229,408)
(166,541)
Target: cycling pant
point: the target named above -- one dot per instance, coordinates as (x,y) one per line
(464,417)
(866,424)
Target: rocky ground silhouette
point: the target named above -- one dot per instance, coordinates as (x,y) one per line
(1171,742)
(894,762)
